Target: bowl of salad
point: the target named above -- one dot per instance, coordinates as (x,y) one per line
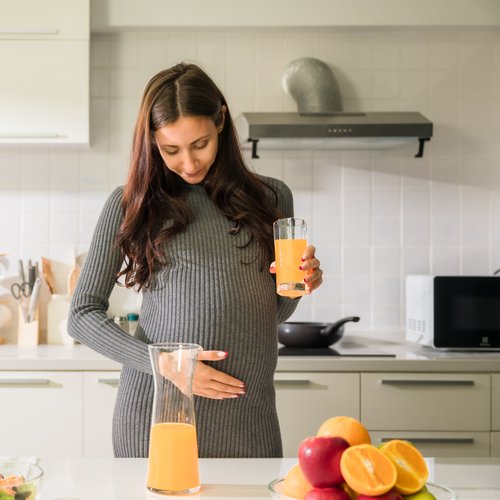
(20,479)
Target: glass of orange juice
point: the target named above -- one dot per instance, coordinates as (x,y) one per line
(173,448)
(290,241)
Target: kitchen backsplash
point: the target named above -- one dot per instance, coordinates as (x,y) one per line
(376,215)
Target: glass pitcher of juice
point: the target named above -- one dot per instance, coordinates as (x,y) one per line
(173,449)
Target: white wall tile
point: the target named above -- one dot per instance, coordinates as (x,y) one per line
(357,261)
(416,260)
(475,231)
(416,230)
(374,215)
(386,290)
(331,261)
(356,289)
(445,230)
(386,261)
(386,201)
(475,260)
(386,231)
(445,199)
(357,201)
(445,259)
(356,231)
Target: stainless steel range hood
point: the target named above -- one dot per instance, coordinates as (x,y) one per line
(373,130)
(320,122)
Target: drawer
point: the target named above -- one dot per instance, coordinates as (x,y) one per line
(441,444)
(305,400)
(426,401)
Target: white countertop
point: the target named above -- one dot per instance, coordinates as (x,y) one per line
(230,479)
(406,358)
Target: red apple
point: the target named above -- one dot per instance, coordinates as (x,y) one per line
(392,495)
(327,494)
(319,459)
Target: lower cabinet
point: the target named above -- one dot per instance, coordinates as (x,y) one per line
(99,395)
(495,444)
(444,414)
(41,414)
(305,400)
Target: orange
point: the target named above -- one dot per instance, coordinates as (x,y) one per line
(352,430)
(295,484)
(410,465)
(367,470)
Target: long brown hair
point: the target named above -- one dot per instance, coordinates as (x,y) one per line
(154,206)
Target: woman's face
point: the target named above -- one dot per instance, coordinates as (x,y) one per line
(189,146)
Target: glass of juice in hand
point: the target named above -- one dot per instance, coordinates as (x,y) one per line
(290,241)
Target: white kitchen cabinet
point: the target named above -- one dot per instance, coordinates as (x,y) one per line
(41,414)
(121,14)
(99,395)
(450,411)
(50,19)
(495,444)
(495,401)
(44,89)
(305,400)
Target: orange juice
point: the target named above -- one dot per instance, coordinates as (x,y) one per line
(173,458)
(289,278)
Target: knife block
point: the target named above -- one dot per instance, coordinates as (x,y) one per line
(28,333)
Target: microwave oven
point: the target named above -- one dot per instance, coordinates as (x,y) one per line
(453,312)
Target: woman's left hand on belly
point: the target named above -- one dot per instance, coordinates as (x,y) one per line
(208,382)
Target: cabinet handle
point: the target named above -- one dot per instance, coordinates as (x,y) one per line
(109,381)
(292,382)
(47,31)
(395,381)
(41,135)
(24,381)
(431,440)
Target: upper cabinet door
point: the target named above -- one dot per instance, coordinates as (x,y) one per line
(44,56)
(44,97)
(49,19)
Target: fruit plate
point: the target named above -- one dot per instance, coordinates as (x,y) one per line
(439,491)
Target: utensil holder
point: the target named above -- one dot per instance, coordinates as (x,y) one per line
(28,333)
(57,320)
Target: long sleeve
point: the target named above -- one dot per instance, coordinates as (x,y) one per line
(88,321)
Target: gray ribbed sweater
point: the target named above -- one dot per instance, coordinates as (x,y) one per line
(206,296)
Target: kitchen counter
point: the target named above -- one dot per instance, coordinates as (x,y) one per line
(223,479)
(404,357)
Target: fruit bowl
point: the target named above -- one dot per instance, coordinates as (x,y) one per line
(29,485)
(439,491)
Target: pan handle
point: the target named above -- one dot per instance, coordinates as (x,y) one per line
(335,326)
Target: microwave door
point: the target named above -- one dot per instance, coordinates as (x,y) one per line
(467,312)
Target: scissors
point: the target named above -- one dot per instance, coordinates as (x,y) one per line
(20,290)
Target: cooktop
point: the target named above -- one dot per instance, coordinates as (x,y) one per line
(350,350)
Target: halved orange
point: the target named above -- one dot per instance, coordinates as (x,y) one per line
(295,484)
(410,465)
(349,428)
(367,470)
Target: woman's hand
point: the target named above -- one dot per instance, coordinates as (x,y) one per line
(310,263)
(207,381)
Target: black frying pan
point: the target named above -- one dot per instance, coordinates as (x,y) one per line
(298,334)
